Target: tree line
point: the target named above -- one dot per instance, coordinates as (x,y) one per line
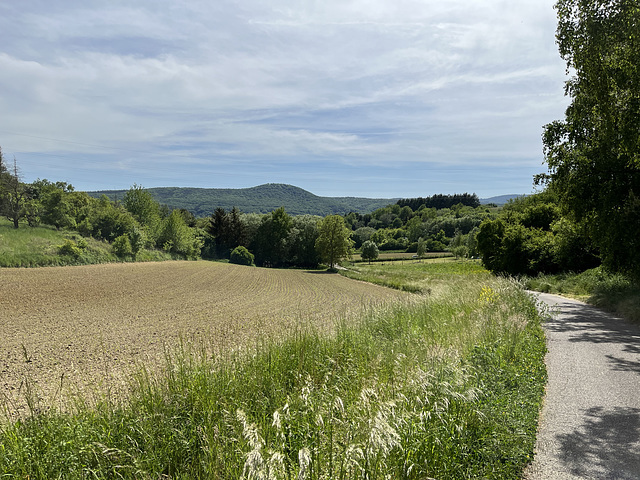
(441,201)
(135,223)
(139,222)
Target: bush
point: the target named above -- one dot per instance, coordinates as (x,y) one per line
(241,256)
(70,248)
(177,238)
(122,246)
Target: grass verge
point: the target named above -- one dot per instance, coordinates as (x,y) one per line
(449,387)
(613,292)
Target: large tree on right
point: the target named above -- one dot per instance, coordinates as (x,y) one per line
(593,154)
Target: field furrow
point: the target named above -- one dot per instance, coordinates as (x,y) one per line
(81,327)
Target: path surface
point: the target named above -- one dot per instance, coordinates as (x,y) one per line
(590,423)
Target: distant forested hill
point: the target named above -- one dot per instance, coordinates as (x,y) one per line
(264,199)
(500,199)
(261,199)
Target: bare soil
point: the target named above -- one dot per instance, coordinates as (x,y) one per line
(68,330)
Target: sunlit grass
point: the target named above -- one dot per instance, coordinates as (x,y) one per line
(40,246)
(424,276)
(614,292)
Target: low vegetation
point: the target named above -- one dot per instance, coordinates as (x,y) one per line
(448,386)
(411,277)
(614,292)
(90,325)
(46,246)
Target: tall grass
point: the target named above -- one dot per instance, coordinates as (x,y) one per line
(447,387)
(614,292)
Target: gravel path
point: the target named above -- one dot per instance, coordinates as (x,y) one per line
(590,423)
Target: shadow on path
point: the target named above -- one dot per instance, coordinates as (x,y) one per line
(590,423)
(584,323)
(599,448)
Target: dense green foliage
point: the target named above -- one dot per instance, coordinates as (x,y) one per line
(334,242)
(441,201)
(241,256)
(369,251)
(261,199)
(276,241)
(138,222)
(401,228)
(46,246)
(448,387)
(594,153)
(531,236)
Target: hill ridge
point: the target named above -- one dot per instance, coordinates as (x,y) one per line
(259,199)
(264,198)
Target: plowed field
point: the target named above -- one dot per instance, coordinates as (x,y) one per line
(89,326)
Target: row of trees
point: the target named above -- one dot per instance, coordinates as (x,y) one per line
(136,223)
(531,236)
(441,201)
(401,228)
(281,240)
(278,239)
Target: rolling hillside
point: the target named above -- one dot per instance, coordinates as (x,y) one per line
(261,199)
(264,199)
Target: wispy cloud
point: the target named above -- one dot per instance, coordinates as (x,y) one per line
(233,94)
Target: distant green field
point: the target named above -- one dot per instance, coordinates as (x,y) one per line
(392,256)
(412,276)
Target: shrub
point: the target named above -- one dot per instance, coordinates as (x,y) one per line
(177,238)
(241,256)
(122,246)
(81,243)
(70,248)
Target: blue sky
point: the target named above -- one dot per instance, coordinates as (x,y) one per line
(371,98)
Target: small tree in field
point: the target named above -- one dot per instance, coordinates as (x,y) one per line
(422,248)
(369,251)
(334,240)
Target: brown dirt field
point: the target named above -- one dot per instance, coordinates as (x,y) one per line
(86,328)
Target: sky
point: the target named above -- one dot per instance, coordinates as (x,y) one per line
(365,98)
